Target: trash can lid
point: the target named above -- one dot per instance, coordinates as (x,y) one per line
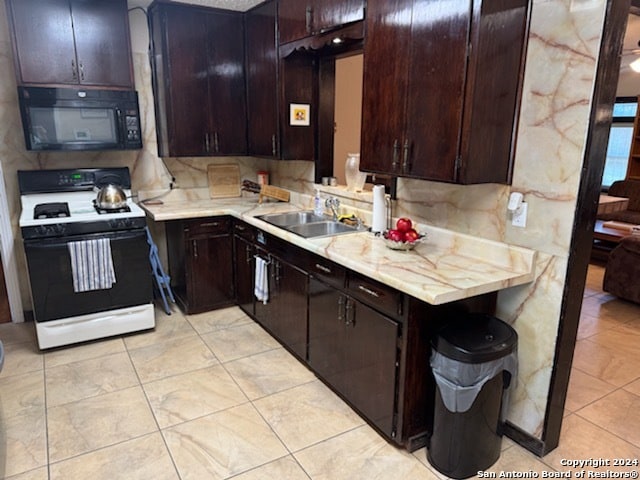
(475,338)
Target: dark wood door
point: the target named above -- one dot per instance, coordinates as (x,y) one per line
(293,20)
(435,94)
(328,341)
(331,14)
(372,358)
(72,42)
(225,71)
(262,88)
(354,349)
(388,25)
(43,41)
(299,19)
(244,273)
(209,272)
(101,30)
(288,321)
(184,94)
(492,90)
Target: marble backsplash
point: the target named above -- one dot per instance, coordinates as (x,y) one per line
(560,70)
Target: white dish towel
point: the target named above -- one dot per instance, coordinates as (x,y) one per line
(261,289)
(91,265)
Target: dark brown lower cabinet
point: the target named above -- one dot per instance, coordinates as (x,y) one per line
(354,349)
(369,342)
(285,313)
(201,263)
(244,264)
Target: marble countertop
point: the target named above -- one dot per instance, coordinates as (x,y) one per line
(446,266)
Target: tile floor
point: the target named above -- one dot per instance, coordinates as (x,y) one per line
(212,396)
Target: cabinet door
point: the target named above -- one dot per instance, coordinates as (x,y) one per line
(244,273)
(355,350)
(103,47)
(492,90)
(331,14)
(209,272)
(262,71)
(437,71)
(183,88)
(372,358)
(293,20)
(328,341)
(289,315)
(43,41)
(299,19)
(227,95)
(388,26)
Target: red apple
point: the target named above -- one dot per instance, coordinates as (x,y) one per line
(395,235)
(411,235)
(404,224)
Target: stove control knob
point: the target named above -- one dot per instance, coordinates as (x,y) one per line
(60,229)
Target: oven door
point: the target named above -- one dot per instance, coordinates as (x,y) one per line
(51,280)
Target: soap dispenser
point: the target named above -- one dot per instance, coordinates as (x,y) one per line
(318,209)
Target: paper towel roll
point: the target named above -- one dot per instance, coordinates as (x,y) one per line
(379,222)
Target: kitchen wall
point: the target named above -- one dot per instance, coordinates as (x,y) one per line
(561,62)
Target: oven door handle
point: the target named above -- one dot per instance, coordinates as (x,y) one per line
(61,241)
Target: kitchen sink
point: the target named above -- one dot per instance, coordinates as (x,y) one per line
(292,218)
(308,225)
(321,229)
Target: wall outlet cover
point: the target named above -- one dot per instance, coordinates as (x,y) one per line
(519,218)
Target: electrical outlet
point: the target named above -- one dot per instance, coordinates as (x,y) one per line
(519,218)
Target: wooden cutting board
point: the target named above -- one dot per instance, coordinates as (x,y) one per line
(224,181)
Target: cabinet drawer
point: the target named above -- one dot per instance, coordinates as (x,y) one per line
(244,230)
(325,270)
(208,226)
(381,297)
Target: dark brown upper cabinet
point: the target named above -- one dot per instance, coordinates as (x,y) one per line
(71,42)
(199,80)
(302,18)
(262,81)
(441,88)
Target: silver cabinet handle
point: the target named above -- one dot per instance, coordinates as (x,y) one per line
(396,152)
(349,313)
(216,145)
(309,19)
(368,291)
(274,149)
(74,71)
(341,302)
(247,252)
(322,268)
(195,248)
(240,228)
(210,224)
(405,159)
(206,142)
(81,69)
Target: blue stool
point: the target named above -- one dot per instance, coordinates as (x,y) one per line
(163,281)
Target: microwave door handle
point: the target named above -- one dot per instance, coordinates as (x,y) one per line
(121,125)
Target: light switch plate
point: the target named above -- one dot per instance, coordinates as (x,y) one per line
(519,218)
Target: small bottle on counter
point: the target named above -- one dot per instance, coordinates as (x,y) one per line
(263,177)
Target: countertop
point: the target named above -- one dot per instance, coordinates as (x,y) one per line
(446,266)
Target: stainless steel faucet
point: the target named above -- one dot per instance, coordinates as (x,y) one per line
(333,203)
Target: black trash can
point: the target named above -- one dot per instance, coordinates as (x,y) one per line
(474,362)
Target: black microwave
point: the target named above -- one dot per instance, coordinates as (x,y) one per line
(78,119)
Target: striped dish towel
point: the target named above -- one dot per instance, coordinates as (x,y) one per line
(91,265)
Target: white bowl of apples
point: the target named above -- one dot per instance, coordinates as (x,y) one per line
(403,237)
